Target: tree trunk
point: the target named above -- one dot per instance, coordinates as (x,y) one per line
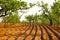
(29,21)
(50,21)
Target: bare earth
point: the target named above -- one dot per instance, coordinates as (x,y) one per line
(20,31)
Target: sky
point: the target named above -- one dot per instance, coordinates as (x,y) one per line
(34,9)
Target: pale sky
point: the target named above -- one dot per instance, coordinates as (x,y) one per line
(34,9)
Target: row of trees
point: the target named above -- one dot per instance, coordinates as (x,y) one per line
(51,16)
(37,19)
(48,16)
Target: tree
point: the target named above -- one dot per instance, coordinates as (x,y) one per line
(33,18)
(53,14)
(12,18)
(8,6)
(44,19)
(46,10)
(56,11)
(30,18)
(36,18)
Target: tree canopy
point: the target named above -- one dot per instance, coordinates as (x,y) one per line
(8,6)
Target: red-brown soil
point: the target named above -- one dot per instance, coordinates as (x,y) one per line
(22,31)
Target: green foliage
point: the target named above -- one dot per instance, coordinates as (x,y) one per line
(36,18)
(24,21)
(11,6)
(48,16)
(29,18)
(56,11)
(32,4)
(43,19)
(33,18)
(12,18)
(53,15)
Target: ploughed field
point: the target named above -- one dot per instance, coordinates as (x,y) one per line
(21,31)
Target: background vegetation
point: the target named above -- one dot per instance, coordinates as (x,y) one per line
(9,12)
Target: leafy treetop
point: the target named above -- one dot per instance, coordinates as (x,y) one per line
(8,6)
